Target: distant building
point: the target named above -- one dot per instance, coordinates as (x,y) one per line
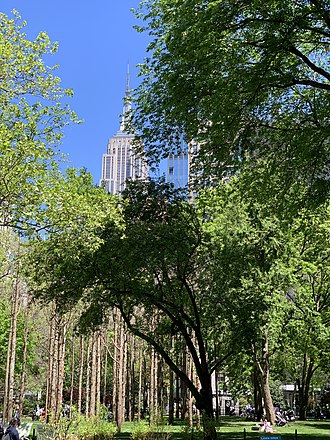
(178,166)
(121,163)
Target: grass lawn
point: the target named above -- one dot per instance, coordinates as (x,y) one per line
(232,428)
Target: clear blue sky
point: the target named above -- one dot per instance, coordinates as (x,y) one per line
(96,41)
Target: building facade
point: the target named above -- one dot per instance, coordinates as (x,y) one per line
(121,162)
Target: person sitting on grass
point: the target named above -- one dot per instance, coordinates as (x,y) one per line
(268,427)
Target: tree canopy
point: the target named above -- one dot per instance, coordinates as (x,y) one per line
(247,81)
(32,116)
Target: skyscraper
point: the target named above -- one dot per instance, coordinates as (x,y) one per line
(121,163)
(178,167)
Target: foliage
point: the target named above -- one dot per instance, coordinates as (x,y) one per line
(247,81)
(32,117)
(80,428)
(74,212)
(145,431)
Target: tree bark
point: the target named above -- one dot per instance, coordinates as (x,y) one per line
(140,385)
(81,371)
(263,376)
(171,389)
(93,378)
(72,375)
(11,352)
(304,385)
(88,374)
(23,371)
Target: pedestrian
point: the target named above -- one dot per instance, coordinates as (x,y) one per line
(12,429)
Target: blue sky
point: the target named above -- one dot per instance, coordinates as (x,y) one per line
(96,43)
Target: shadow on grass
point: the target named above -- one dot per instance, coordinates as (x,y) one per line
(321,425)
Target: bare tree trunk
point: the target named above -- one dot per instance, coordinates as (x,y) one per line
(131,386)
(160,386)
(23,371)
(184,391)
(93,379)
(304,385)
(121,376)
(98,376)
(177,394)
(81,370)
(105,373)
(61,362)
(11,352)
(171,389)
(140,384)
(153,378)
(88,375)
(190,397)
(115,365)
(50,367)
(263,375)
(72,375)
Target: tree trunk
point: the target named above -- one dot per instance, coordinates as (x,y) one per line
(153,391)
(263,376)
(88,374)
(171,388)
(23,371)
(98,376)
(61,362)
(121,375)
(50,368)
(257,397)
(72,375)
(11,352)
(131,382)
(93,378)
(115,365)
(81,371)
(205,405)
(140,385)
(303,386)
(105,371)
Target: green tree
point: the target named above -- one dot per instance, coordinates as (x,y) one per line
(253,269)
(32,116)
(154,269)
(310,329)
(247,81)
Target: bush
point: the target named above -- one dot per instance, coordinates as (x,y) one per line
(144,431)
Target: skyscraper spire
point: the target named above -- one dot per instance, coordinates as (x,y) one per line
(127,102)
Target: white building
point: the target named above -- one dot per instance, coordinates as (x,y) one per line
(121,163)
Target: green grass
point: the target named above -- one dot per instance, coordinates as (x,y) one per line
(229,428)
(232,428)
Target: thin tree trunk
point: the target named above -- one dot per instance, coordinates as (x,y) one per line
(105,373)
(11,352)
(115,365)
(121,376)
(50,371)
(88,374)
(61,362)
(72,375)
(98,377)
(153,378)
(171,389)
(23,371)
(131,382)
(81,370)
(93,378)
(140,384)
